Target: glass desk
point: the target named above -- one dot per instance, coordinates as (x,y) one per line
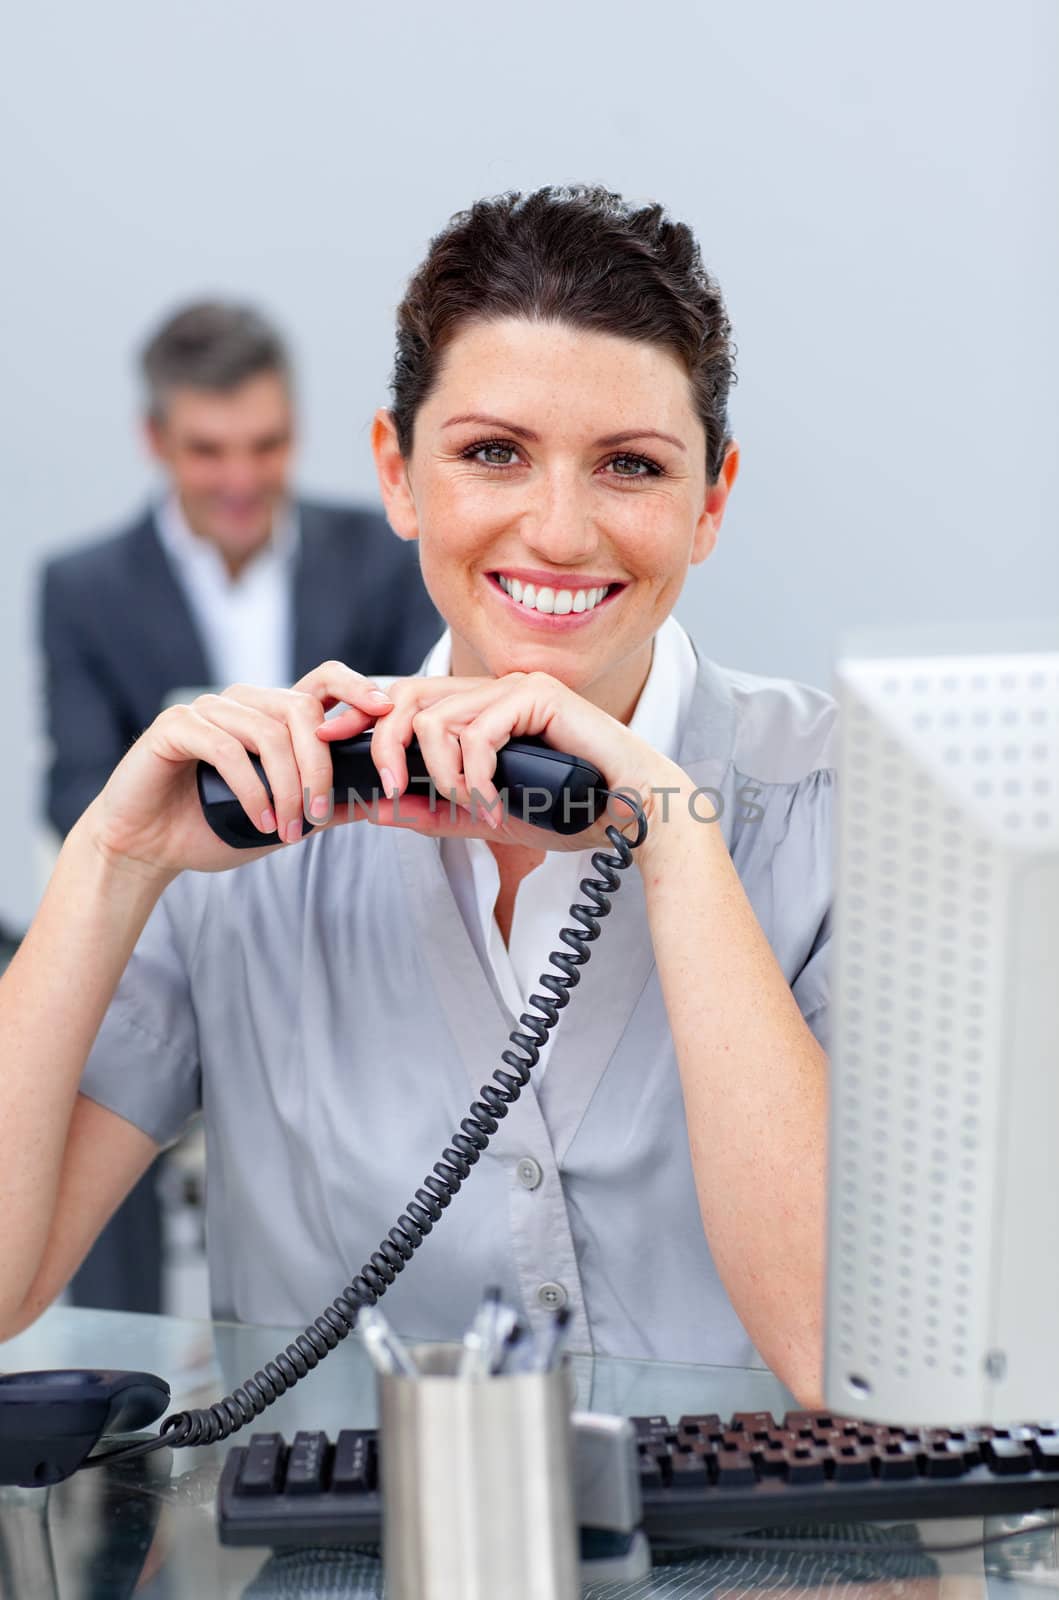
(148,1528)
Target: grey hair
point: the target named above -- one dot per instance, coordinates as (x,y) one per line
(212,345)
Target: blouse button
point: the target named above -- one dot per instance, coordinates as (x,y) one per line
(552,1296)
(529,1172)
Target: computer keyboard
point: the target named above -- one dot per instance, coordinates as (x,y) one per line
(698,1475)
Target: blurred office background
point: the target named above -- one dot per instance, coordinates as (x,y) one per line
(874,185)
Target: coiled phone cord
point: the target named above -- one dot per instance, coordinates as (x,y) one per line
(439,1188)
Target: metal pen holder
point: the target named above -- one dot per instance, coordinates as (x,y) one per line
(477,1483)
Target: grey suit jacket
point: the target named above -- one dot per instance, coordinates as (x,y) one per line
(118,635)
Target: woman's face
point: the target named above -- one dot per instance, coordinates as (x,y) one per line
(557,487)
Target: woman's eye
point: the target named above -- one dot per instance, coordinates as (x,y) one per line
(492,455)
(633,467)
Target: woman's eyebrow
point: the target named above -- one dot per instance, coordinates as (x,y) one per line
(534,438)
(641,433)
(495,422)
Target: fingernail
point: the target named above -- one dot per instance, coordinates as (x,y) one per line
(389,782)
(268,821)
(294,830)
(378,694)
(319,807)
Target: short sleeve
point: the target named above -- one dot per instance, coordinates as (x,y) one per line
(808,885)
(145,1062)
(812,987)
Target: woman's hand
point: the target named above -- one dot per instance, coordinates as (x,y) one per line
(461,723)
(149,815)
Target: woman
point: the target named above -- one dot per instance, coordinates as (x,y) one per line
(558,445)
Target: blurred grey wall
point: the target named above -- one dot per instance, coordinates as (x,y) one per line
(874,184)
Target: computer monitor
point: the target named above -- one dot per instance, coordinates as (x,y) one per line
(943,1231)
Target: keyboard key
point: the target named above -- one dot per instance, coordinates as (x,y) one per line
(262,1465)
(752,1422)
(1046,1454)
(354,1470)
(946,1459)
(734,1471)
(966,1443)
(1004,1456)
(706,1423)
(688,1470)
(796,1421)
(647,1427)
(852,1463)
(734,1440)
(898,1459)
(805,1466)
(305,1464)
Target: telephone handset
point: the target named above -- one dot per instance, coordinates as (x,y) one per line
(577,792)
(537,784)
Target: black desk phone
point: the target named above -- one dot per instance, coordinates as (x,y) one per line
(537,784)
(49,1422)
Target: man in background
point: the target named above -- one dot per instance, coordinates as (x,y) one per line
(227,577)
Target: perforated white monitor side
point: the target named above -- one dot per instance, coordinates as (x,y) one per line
(943,1271)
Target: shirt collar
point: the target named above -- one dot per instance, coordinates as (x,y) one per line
(187,548)
(665,698)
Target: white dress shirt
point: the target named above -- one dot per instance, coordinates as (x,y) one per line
(544,896)
(246,624)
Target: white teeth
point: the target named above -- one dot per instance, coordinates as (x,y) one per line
(549,601)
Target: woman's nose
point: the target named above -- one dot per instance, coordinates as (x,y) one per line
(559,525)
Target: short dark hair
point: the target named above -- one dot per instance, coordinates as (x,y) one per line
(576,254)
(213,345)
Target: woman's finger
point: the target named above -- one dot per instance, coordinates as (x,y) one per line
(303,714)
(391,738)
(181,733)
(479,766)
(271,740)
(333,683)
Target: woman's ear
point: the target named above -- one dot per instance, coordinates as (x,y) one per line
(393,477)
(714,506)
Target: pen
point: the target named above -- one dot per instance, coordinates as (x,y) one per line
(388,1355)
(501,1364)
(553,1340)
(480,1336)
(504,1323)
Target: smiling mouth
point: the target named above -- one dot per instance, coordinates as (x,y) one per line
(547,601)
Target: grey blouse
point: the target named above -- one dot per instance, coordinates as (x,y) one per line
(325,1009)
